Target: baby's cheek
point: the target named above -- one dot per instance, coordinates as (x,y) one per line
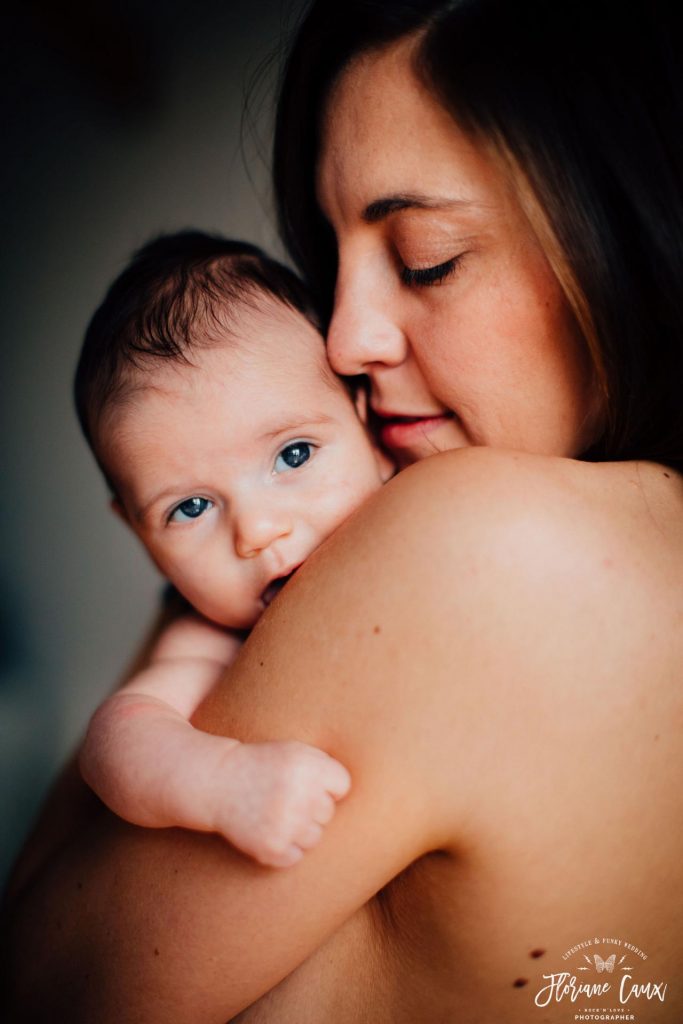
(237,605)
(205,595)
(352,492)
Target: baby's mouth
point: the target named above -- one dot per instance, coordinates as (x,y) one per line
(275,586)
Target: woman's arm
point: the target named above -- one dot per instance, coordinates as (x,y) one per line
(380,652)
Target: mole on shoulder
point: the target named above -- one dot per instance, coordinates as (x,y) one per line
(535,953)
(156,951)
(261,664)
(376,629)
(520,982)
(667,476)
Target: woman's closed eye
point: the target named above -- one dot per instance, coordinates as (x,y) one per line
(293,455)
(416,276)
(191,508)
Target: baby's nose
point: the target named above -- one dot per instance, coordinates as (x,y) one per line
(256,530)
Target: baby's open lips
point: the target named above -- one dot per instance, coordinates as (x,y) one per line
(276,585)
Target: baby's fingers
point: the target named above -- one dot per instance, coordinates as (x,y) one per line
(309,836)
(285,859)
(336,779)
(323,810)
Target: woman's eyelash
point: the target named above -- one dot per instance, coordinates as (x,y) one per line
(429,275)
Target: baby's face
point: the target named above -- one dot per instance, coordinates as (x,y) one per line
(233,470)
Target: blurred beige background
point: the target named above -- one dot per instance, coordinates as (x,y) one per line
(121,120)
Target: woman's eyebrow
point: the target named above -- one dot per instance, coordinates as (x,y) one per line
(381,208)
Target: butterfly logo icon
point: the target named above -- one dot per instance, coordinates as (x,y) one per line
(604,965)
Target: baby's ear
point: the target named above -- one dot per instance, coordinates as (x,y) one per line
(118,510)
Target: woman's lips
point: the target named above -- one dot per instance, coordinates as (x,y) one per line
(402,431)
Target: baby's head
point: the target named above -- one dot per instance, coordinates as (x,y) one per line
(230,447)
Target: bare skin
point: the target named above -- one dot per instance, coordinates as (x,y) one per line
(492,645)
(543,769)
(230,471)
(573,809)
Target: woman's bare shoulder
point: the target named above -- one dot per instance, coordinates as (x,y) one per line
(470,481)
(467,569)
(503,564)
(551,510)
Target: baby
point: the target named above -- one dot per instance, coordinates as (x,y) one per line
(232,450)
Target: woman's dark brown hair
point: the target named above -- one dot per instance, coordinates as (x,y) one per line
(581,103)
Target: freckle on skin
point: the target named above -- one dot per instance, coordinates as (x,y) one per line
(156,952)
(535,953)
(261,664)
(376,629)
(667,476)
(657,736)
(520,982)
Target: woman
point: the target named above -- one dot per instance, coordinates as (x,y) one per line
(492,645)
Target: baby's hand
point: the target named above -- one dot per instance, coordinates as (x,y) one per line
(279,797)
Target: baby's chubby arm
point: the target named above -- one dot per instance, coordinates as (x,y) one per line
(149,765)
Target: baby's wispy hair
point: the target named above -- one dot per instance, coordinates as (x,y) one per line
(177,292)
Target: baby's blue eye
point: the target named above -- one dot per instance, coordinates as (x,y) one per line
(293,455)
(191,508)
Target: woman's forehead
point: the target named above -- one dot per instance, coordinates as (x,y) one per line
(385,135)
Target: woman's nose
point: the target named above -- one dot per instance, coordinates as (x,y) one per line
(364,330)
(256,528)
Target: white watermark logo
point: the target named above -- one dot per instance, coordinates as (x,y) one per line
(603,965)
(584,982)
